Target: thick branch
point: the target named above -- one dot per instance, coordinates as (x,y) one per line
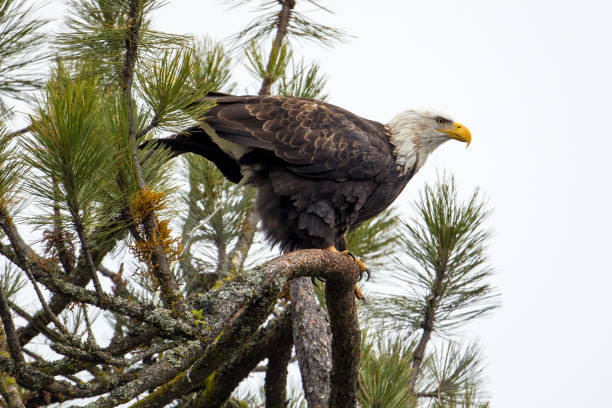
(346,342)
(313,343)
(8,385)
(275,386)
(257,291)
(230,340)
(10,391)
(219,386)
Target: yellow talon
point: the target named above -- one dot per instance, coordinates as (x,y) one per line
(362,268)
(358,293)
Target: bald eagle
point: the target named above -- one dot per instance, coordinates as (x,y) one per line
(319,169)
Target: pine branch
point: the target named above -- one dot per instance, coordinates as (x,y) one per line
(284,16)
(20,131)
(20,36)
(252,300)
(161,269)
(313,342)
(385,370)
(219,386)
(9,329)
(275,386)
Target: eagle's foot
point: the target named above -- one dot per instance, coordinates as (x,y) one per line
(314,280)
(359,294)
(362,269)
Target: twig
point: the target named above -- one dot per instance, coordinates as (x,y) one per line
(46,331)
(80,228)
(9,329)
(20,131)
(39,359)
(20,249)
(154,123)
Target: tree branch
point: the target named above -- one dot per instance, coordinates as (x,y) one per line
(281,31)
(313,343)
(219,386)
(244,303)
(9,329)
(161,269)
(275,386)
(346,342)
(20,131)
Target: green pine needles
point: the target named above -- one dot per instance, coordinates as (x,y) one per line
(98,189)
(445,263)
(20,54)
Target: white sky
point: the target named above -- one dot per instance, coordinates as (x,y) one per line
(531,80)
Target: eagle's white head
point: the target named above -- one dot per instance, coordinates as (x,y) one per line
(415,134)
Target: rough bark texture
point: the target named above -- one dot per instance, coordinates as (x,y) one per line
(346,343)
(8,385)
(229,317)
(275,386)
(312,339)
(9,333)
(219,386)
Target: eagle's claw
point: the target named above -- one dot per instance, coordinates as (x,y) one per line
(362,266)
(314,279)
(367,273)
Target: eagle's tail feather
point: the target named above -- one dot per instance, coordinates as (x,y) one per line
(195,140)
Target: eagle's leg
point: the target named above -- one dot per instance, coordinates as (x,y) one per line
(362,269)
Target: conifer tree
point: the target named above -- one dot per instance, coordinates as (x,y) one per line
(150,295)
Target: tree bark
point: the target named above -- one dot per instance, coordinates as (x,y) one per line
(312,339)
(219,386)
(346,342)
(275,386)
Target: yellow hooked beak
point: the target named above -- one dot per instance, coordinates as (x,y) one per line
(459,132)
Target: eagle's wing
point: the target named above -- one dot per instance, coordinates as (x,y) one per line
(314,138)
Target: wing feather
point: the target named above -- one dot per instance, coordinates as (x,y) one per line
(315,139)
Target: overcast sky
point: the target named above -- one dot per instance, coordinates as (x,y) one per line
(531,80)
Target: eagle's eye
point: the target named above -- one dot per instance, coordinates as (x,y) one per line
(442,121)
